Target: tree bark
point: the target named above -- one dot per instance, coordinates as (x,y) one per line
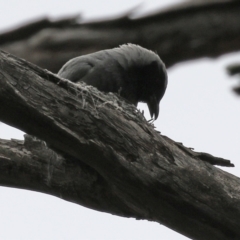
(108,157)
(31,165)
(187,31)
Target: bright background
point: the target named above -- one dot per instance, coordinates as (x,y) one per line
(199,109)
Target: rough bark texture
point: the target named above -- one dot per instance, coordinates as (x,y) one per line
(137,172)
(31,165)
(188,31)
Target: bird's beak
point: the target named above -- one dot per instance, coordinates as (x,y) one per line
(153,106)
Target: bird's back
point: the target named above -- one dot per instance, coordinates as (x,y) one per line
(98,69)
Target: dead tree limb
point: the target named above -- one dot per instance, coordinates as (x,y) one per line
(187,31)
(31,165)
(140,173)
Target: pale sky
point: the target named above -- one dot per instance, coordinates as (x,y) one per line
(199,110)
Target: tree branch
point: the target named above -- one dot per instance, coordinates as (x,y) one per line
(187,31)
(146,175)
(31,165)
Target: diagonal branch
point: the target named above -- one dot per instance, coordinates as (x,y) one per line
(146,175)
(186,31)
(31,165)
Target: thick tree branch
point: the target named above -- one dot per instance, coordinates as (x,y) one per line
(31,165)
(146,175)
(28,30)
(184,32)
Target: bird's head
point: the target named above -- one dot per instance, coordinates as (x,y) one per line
(149,74)
(153,83)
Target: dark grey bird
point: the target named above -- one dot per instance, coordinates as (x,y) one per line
(136,73)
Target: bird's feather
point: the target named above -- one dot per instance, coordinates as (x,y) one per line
(137,73)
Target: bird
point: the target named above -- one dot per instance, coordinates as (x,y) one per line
(136,73)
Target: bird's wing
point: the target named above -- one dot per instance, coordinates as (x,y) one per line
(76,69)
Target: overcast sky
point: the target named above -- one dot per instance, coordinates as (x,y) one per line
(199,110)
